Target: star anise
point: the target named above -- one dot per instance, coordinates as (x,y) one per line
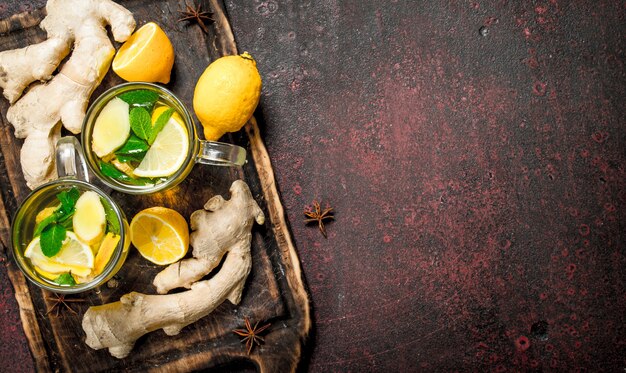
(251,335)
(194,13)
(317,215)
(60,300)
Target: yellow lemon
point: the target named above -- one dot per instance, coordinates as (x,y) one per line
(53,276)
(167,153)
(147,56)
(45,213)
(159,110)
(227,94)
(74,256)
(161,235)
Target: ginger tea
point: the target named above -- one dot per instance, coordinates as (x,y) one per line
(139,139)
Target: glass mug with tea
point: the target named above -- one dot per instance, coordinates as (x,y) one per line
(139,138)
(69,236)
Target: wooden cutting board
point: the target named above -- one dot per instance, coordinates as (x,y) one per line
(274,292)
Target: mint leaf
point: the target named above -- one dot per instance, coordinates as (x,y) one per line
(51,239)
(65,279)
(159,124)
(140,98)
(131,158)
(63,213)
(44,223)
(112,172)
(68,200)
(134,145)
(113,225)
(67,224)
(140,122)
(61,218)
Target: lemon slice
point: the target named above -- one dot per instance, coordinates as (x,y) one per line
(74,256)
(147,56)
(53,276)
(168,152)
(161,235)
(160,110)
(45,213)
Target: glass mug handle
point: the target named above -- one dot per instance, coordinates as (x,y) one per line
(220,154)
(71,159)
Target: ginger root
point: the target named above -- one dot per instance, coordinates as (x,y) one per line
(36,115)
(223,229)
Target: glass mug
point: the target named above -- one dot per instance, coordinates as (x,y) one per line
(71,174)
(200,151)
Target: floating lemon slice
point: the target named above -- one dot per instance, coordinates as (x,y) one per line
(74,256)
(168,152)
(147,56)
(161,235)
(160,110)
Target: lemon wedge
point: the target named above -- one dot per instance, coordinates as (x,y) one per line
(75,256)
(168,152)
(161,235)
(147,56)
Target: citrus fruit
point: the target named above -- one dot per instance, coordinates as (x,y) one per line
(227,94)
(147,56)
(168,152)
(159,110)
(75,256)
(53,276)
(161,235)
(45,213)
(49,275)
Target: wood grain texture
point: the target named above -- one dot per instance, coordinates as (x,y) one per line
(274,290)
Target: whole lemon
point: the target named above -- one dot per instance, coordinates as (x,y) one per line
(227,94)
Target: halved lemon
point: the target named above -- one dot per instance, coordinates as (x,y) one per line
(74,256)
(147,56)
(168,152)
(161,235)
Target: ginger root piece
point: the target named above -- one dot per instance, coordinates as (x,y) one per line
(224,228)
(36,115)
(89,221)
(217,230)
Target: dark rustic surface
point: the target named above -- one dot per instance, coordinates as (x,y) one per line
(478,178)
